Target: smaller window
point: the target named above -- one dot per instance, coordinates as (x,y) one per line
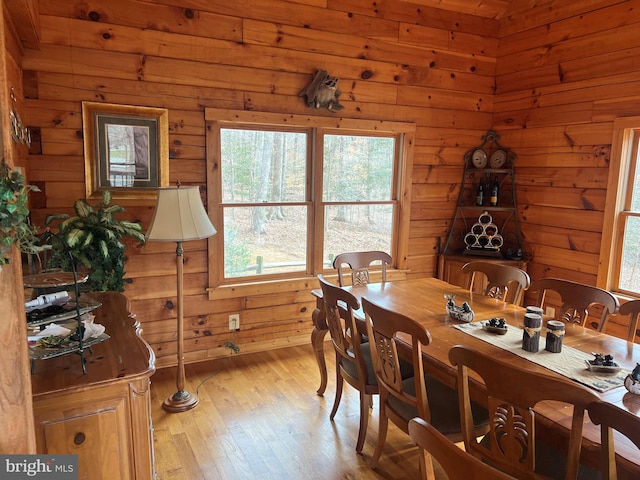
(620,251)
(629,276)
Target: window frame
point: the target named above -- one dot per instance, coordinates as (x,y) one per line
(622,166)
(215,119)
(321,205)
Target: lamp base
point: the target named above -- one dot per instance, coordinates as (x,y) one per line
(181,401)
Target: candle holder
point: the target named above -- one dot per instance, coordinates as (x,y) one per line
(555,334)
(531,332)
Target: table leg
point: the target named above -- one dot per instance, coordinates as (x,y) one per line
(320,329)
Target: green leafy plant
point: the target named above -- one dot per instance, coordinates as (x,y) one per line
(93,238)
(15,228)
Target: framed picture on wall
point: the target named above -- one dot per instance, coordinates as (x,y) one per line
(126,149)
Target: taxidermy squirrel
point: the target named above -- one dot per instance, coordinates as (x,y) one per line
(323,92)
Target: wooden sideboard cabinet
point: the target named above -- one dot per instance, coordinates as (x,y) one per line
(450,265)
(103,416)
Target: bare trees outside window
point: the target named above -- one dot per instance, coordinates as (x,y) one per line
(287,193)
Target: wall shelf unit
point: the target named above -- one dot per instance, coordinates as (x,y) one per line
(486,222)
(485,225)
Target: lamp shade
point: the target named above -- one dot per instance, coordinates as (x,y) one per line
(179,216)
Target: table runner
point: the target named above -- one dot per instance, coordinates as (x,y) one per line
(570,362)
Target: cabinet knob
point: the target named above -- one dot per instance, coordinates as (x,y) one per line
(79,438)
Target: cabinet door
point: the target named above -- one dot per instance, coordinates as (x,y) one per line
(449,270)
(98,432)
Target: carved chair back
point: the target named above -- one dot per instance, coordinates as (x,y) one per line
(631,308)
(353,359)
(577,299)
(504,282)
(455,462)
(359,263)
(611,418)
(512,394)
(396,394)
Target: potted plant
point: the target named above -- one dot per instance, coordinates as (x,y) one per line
(93,237)
(15,228)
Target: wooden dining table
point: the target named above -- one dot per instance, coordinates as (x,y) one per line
(424,300)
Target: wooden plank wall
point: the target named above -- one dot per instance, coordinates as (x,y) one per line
(565,70)
(398,61)
(550,77)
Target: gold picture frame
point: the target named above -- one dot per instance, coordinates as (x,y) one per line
(126,149)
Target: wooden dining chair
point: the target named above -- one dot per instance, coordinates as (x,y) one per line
(632,309)
(455,462)
(353,358)
(611,418)
(359,264)
(512,393)
(504,282)
(577,299)
(418,395)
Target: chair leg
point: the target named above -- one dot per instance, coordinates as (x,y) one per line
(382,436)
(336,401)
(364,420)
(427,471)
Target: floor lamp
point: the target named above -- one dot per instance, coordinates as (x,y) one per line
(180,217)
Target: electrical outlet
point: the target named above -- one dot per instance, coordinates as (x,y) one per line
(551,312)
(234,321)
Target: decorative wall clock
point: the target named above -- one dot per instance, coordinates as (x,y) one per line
(479,158)
(498,159)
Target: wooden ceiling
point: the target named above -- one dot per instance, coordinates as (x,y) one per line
(482,8)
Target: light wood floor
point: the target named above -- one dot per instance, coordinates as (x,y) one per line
(259,417)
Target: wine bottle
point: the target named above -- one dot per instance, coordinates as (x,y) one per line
(493,200)
(480,195)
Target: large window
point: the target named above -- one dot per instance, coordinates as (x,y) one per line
(629,276)
(620,256)
(287,197)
